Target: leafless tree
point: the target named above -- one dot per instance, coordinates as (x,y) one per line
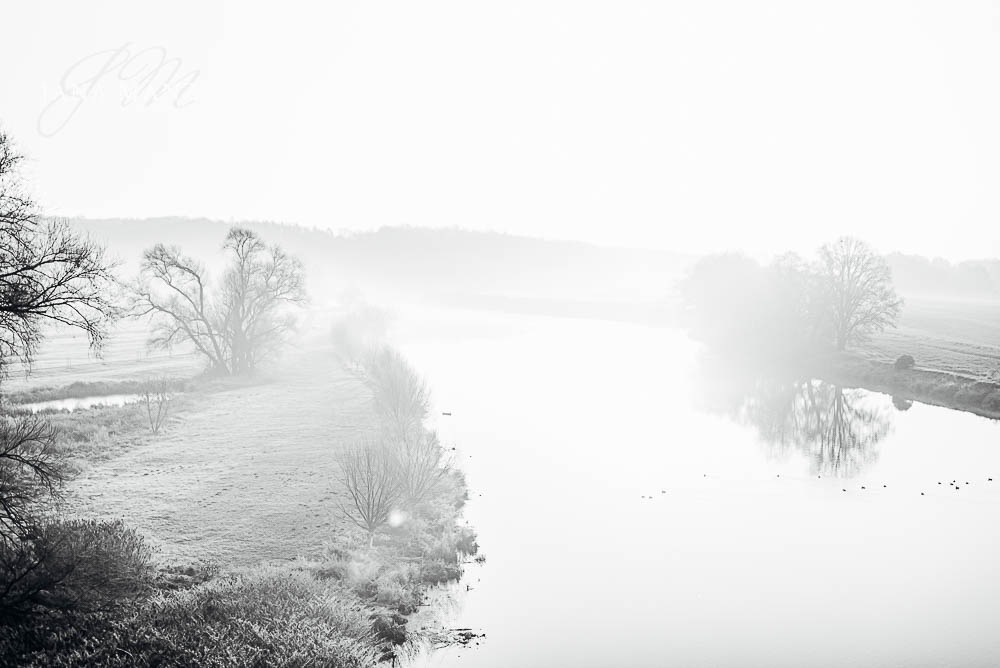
(29,472)
(421,466)
(370,484)
(48,272)
(258,286)
(235,326)
(861,300)
(156,397)
(400,396)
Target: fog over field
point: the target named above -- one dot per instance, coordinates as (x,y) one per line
(534,334)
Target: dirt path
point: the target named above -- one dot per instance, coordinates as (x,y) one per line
(245,476)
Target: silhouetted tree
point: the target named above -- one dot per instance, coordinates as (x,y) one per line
(29,472)
(48,272)
(235,326)
(861,300)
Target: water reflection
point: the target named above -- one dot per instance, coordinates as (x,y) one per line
(836,429)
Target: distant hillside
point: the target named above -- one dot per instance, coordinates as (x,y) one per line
(420,262)
(922,276)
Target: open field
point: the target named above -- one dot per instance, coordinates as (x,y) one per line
(65,357)
(950,336)
(241,475)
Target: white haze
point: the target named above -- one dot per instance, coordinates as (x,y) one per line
(686,126)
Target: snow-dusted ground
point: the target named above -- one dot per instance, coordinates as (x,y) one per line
(242,475)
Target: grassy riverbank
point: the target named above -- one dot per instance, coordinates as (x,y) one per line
(956,349)
(926,386)
(235,503)
(949,336)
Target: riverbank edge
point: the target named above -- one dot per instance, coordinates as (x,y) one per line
(387,613)
(926,386)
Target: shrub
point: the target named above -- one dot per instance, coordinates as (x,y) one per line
(398,589)
(269,617)
(439,572)
(902,404)
(156,397)
(904,363)
(73,565)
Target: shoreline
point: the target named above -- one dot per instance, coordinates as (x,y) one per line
(935,388)
(233,444)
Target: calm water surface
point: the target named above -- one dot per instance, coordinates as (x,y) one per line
(633,513)
(80,403)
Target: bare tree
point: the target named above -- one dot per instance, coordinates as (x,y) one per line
(370,484)
(421,466)
(172,289)
(260,283)
(246,319)
(48,272)
(400,396)
(156,397)
(861,300)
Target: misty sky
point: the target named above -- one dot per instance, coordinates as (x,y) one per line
(697,126)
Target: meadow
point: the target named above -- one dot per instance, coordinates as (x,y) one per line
(952,336)
(236,499)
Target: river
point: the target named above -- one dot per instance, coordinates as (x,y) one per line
(633,512)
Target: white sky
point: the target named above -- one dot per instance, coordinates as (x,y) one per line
(696,126)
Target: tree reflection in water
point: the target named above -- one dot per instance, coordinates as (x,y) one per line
(837,430)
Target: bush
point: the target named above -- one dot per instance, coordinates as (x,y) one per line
(73,565)
(904,363)
(439,572)
(270,617)
(398,589)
